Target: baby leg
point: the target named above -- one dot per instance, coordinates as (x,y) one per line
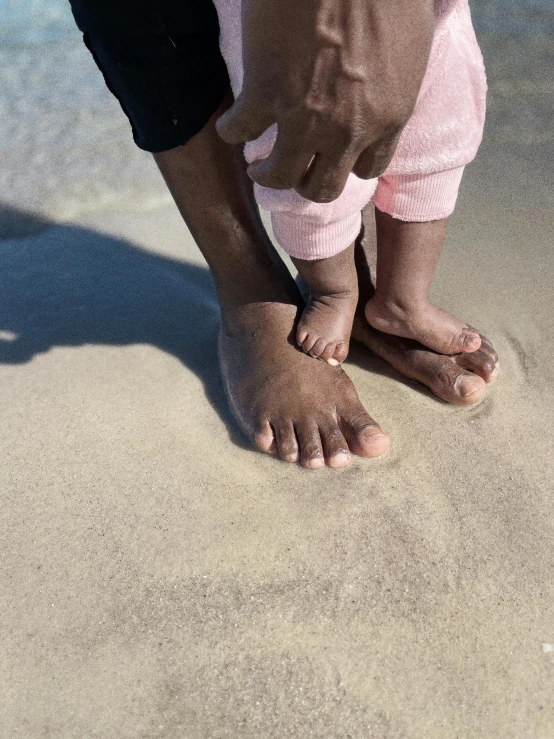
(419,189)
(407,255)
(319,238)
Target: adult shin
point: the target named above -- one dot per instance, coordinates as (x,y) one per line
(209,184)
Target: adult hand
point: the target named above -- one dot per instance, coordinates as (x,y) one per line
(339,77)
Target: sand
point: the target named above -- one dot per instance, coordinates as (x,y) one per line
(161,579)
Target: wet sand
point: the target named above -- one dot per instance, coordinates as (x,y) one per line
(161,579)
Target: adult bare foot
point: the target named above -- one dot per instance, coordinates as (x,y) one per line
(285,402)
(460,379)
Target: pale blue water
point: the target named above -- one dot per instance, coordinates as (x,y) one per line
(36,21)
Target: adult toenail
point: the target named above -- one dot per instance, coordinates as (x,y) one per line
(341,457)
(341,453)
(467,386)
(374,433)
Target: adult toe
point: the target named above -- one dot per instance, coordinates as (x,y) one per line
(488,349)
(335,448)
(364,435)
(264,438)
(453,383)
(479,364)
(311,450)
(483,362)
(286,442)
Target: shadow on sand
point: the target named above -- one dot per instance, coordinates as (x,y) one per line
(75,286)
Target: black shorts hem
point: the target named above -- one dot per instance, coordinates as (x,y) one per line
(168,83)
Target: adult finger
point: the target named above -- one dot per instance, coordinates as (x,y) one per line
(285,167)
(242,123)
(374,160)
(326,178)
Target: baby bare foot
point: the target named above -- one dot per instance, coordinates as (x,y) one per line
(326,323)
(431,326)
(325,326)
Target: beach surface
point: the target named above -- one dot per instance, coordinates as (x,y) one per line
(160,579)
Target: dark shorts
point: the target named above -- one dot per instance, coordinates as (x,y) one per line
(161,60)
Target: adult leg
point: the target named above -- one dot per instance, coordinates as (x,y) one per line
(286,403)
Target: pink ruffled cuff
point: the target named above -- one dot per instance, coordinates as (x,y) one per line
(419,198)
(303,238)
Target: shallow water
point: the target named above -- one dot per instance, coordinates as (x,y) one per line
(38,21)
(66,146)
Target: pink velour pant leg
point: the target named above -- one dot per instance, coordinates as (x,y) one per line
(445,130)
(308,230)
(419,197)
(304,229)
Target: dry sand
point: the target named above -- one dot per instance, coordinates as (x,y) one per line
(160,579)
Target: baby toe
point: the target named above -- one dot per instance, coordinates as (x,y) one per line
(309,342)
(341,352)
(318,348)
(468,340)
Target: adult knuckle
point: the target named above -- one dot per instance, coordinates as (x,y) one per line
(289,446)
(277,180)
(337,126)
(398,114)
(310,192)
(345,132)
(335,438)
(448,379)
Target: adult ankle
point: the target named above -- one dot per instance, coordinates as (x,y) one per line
(249,315)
